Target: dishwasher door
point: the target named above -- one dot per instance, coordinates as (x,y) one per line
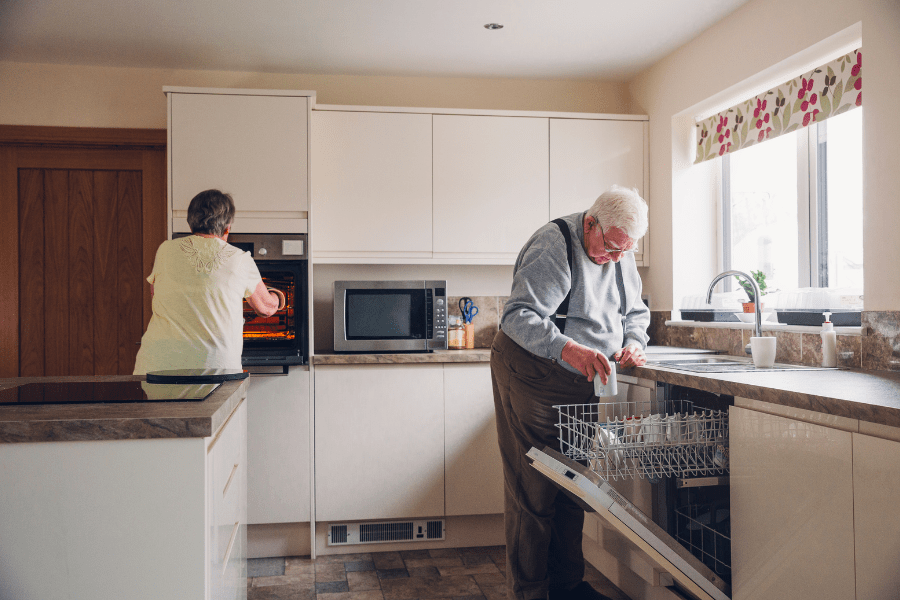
(595,494)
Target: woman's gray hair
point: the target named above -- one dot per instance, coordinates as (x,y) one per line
(623,208)
(211,212)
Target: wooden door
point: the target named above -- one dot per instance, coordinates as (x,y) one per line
(82,224)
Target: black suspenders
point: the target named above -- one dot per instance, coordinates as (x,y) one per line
(563,310)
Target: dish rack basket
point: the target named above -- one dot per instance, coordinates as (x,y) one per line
(646,439)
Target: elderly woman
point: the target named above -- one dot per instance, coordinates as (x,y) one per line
(198,284)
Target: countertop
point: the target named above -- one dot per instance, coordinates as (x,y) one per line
(872,396)
(132,421)
(478,355)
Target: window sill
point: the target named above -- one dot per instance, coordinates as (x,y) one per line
(765,327)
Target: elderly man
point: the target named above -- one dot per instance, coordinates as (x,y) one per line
(581,266)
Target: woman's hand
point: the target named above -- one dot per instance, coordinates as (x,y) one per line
(262,302)
(588,361)
(631,356)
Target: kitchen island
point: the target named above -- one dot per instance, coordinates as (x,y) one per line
(140,500)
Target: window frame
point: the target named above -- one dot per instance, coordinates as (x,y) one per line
(812,208)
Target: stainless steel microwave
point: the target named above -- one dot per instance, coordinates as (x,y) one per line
(390,316)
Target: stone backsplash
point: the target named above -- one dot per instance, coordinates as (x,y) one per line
(877,349)
(487,321)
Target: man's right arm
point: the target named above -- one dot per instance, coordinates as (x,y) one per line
(541,280)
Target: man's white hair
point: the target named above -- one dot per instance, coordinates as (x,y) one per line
(623,208)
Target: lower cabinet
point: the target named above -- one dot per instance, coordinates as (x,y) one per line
(278,448)
(792,509)
(379,441)
(876,516)
(405,441)
(472,465)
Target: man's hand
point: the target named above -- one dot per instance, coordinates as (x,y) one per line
(631,356)
(588,361)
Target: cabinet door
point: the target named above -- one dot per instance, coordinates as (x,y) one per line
(379,442)
(791,509)
(474,471)
(876,487)
(253,147)
(372,183)
(227,503)
(491,179)
(278,448)
(589,156)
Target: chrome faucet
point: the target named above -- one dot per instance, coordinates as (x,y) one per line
(757,328)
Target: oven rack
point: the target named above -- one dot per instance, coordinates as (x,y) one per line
(645,439)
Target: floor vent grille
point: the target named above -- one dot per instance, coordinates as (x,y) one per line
(347,534)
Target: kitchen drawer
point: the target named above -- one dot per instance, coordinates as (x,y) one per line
(229,448)
(233,563)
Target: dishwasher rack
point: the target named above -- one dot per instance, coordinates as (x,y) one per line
(645,439)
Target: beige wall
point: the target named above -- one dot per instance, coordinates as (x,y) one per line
(762,40)
(79,96)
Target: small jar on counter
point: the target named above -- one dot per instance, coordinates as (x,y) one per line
(456,334)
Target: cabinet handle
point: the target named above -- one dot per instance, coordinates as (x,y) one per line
(234,531)
(230,477)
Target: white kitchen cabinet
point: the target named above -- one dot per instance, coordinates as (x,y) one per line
(278,448)
(472,464)
(491,181)
(587,156)
(792,507)
(371,184)
(252,144)
(379,441)
(876,488)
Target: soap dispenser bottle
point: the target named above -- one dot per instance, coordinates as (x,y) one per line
(829,343)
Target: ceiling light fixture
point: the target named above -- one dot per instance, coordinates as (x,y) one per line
(493,26)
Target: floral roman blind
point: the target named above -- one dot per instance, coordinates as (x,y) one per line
(826,91)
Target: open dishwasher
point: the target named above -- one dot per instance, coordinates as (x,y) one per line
(681,447)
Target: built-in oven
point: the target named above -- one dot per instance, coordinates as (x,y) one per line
(282,339)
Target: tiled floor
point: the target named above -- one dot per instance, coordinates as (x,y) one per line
(451,573)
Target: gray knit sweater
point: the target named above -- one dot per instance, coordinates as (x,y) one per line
(541,280)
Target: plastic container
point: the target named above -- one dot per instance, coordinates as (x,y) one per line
(829,343)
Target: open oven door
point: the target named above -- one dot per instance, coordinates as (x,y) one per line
(692,578)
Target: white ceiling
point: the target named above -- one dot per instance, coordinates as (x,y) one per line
(544,39)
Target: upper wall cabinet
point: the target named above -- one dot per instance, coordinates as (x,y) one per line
(252,144)
(491,181)
(588,156)
(428,186)
(372,185)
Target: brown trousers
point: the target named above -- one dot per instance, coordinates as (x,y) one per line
(543,525)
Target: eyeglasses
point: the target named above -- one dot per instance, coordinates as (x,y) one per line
(609,250)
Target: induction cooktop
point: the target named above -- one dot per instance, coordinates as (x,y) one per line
(105,392)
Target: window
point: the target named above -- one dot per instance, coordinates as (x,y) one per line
(792,206)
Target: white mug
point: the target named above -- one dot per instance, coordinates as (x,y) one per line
(602,390)
(763,351)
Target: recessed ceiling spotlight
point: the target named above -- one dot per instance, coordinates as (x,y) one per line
(493,26)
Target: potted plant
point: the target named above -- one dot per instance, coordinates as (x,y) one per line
(760,278)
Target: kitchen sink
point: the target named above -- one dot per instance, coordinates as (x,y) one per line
(715,364)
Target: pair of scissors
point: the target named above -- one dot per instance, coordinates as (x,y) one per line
(467,309)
